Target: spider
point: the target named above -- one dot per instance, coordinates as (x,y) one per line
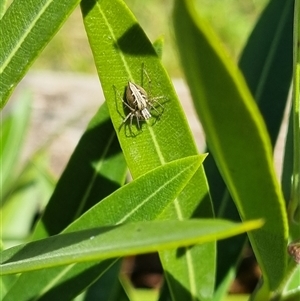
(138,103)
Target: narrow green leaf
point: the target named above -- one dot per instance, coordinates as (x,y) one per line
(21,207)
(236,136)
(120,49)
(287,169)
(29,192)
(291,172)
(25,29)
(12,133)
(144,198)
(294,205)
(116,241)
(267,62)
(155,191)
(60,283)
(124,44)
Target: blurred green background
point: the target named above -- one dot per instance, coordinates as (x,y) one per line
(232,20)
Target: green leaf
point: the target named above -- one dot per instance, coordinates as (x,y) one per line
(25,30)
(236,136)
(31,190)
(294,205)
(116,241)
(267,62)
(124,44)
(142,199)
(120,49)
(287,169)
(63,283)
(12,133)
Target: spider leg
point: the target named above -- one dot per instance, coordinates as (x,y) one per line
(128,115)
(148,77)
(138,122)
(154,99)
(128,106)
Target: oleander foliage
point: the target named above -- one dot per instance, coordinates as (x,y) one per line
(186,206)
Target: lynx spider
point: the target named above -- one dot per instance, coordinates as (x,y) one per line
(139,103)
